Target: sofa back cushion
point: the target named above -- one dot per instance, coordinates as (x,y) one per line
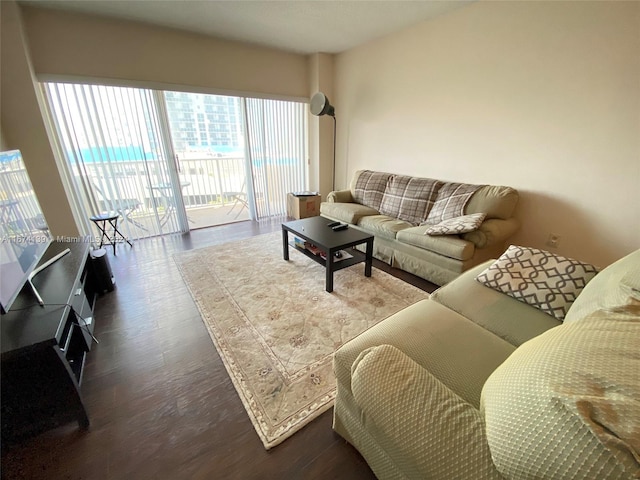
(512,320)
(451,201)
(495,201)
(566,404)
(409,198)
(616,288)
(368,187)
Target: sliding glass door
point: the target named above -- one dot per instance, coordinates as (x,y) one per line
(171,161)
(117,157)
(238,158)
(208,140)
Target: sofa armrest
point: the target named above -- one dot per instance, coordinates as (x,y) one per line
(492,232)
(412,415)
(340,196)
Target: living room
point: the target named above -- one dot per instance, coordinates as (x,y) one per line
(539,96)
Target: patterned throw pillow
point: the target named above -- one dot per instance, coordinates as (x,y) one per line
(542,279)
(458,225)
(409,198)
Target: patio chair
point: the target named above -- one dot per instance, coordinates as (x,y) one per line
(123,206)
(239,198)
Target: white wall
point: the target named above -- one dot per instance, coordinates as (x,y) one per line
(67,44)
(541,96)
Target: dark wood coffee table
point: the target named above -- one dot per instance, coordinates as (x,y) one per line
(316,231)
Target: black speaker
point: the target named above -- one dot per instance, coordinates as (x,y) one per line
(105,282)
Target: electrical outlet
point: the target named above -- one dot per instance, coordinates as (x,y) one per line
(553,241)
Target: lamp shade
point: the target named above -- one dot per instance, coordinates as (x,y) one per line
(320,105)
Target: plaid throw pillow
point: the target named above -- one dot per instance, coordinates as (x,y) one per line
(451,200)
(542,279)
(409,198)
(370,188)
(458,225)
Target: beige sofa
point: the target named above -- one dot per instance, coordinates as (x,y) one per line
(398,210)
(475,384)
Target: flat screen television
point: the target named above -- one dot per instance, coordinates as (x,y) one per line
(24,232)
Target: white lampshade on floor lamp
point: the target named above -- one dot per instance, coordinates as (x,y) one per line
(319,106)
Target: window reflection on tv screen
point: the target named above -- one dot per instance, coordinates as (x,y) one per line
(24,234)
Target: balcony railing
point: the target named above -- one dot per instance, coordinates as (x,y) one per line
(20,213)
(205,181)
(140,190)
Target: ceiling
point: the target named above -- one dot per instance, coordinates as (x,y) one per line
(299,26)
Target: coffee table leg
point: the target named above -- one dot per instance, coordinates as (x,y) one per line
(369,258)
(285,244)
(329,269)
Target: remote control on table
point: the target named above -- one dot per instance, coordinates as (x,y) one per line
(340,227)
(333,224)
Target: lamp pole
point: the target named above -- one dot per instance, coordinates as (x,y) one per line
(320,105)
(334,152)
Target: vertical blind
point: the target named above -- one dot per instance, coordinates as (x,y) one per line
(111,140)
(278,152)
(119,148)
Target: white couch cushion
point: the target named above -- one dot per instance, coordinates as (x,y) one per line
(383,225)
(450,246)
(346,212)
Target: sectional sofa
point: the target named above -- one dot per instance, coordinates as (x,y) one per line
(431,228)
(495,380)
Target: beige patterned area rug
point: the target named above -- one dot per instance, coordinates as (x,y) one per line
(276,327)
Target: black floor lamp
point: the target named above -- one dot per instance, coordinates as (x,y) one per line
(319,106)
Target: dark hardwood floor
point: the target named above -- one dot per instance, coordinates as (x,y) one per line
(159,398)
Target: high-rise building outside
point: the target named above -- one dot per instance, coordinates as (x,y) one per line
(209,124)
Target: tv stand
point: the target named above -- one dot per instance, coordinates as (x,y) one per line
(44,344)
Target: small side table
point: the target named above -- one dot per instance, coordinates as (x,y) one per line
(103,221)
